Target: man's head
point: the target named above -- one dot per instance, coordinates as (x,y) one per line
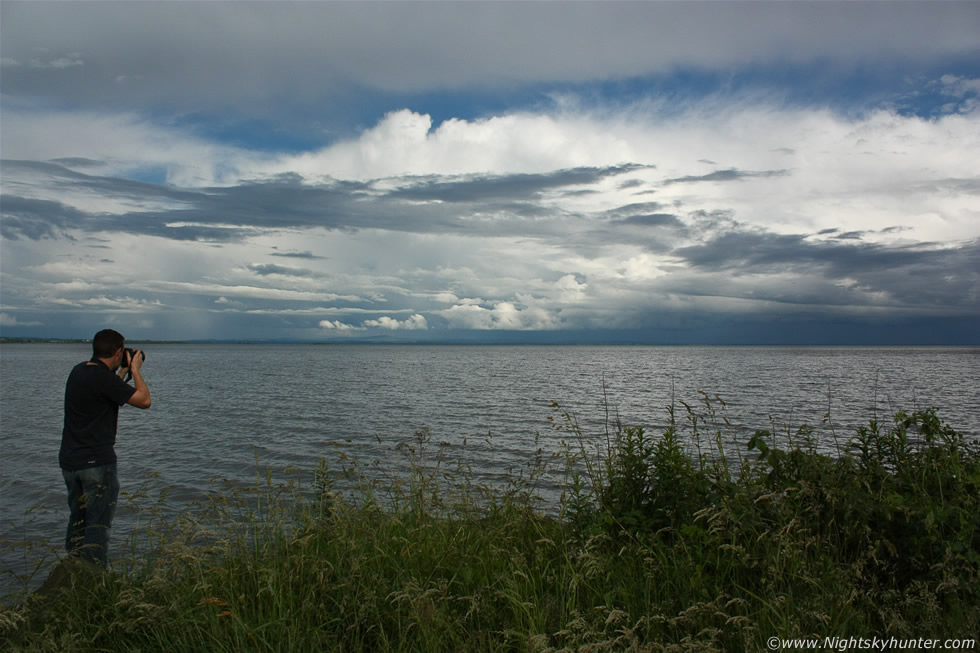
(106,343)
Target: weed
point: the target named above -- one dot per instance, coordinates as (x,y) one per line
(659,544)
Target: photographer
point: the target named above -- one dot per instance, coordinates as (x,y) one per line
(93,394)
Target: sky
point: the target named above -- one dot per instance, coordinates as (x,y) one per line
(497,172)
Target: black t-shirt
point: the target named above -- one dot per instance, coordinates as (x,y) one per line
(93,395)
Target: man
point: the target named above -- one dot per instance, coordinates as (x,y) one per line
(93,394)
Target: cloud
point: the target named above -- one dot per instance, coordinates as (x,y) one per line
(727,175)
(338,326)
(542,253)
(306,254)
(59,62)
(35,219)
(526,314)
(266,269)
(761,159)
(964,94)
(415,322)
(511,188)
(653,220)
(241,54)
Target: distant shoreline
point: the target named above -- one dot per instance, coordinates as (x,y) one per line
(490,343)
(81,341)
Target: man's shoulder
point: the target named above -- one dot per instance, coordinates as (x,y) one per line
(90,377)
(88,367)
(79,369)
(91,371)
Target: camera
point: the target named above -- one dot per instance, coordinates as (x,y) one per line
(128,361)
(128,356)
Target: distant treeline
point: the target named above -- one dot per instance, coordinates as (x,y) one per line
(5,339)
(75,341)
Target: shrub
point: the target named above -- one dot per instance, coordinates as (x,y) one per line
(653,549)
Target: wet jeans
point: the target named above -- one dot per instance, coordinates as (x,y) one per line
(92,495)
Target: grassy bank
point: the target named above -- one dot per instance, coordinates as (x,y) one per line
(656,547)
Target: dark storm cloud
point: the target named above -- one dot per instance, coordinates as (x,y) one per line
(762,250)
(35,219)
(643,214)
(267,269)
(653,220)
(714,221)
(858,235)
(306,255)
(429,204)
(921,274)
(510,187)
(636,208)
(631,183)
(96,185)
(78,162)
(198,214)
(728,175)
(38,219)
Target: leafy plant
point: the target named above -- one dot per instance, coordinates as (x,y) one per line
(653,548)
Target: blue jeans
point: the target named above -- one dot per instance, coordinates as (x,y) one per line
(92,495)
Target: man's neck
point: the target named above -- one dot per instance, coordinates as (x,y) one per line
(106,361)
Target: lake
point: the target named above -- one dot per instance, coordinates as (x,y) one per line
(230,412)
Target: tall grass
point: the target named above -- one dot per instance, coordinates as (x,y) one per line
(659,543)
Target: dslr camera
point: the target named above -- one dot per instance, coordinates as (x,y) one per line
(128,356)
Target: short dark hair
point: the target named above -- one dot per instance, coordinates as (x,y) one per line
(106,343)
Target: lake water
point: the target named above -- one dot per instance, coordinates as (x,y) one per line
(230,411)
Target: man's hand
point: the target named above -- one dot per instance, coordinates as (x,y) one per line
(140,398)
(136,360)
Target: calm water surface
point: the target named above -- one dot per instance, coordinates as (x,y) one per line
(226,411)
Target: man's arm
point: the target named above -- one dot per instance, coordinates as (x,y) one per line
(140,398)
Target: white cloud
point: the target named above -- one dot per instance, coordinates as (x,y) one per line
(121,144)
(966,91)
(59,62)
(415,322)
(337,325)
(875,171)
(524,315)
(406,142)
(446,220)
(895,179)
(120,304)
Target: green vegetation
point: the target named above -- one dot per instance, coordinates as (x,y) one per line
(653,547)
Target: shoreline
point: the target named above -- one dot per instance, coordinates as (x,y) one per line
(651,549)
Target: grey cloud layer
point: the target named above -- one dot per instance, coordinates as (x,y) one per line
(710,253)
(585,165)
(124,52)
(915,276)
(424,204)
